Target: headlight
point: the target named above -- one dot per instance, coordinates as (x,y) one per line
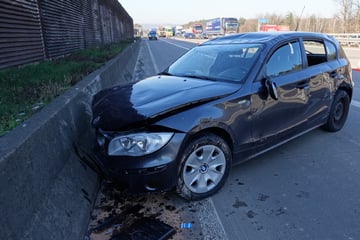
(138,144)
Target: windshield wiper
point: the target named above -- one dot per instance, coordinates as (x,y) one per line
(198,76)
(188,76)
(165,73)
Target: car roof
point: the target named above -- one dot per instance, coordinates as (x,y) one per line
(266,37)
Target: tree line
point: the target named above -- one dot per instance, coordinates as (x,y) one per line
(346,20)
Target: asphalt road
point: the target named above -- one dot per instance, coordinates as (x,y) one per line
(305,189)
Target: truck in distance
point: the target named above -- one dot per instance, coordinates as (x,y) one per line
(197,29)
(222,26)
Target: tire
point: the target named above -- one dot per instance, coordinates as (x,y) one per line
(338,112)
(204,167)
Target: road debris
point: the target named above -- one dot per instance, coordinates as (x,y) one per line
(118,215)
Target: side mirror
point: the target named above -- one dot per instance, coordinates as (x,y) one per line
(272,88)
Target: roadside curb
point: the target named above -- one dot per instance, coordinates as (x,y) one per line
(46,191)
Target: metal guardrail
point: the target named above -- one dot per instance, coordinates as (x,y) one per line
(348,39)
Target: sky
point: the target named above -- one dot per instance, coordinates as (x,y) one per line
(184,11)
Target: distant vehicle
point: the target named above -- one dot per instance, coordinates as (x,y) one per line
(225,101)
(197,29)
(178,30)
(204,35)
(161,32)
(152,35)
(274,28)
(169,31)
(222,26)
(179,34)
(189,35)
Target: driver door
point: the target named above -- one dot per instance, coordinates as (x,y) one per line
(275,120)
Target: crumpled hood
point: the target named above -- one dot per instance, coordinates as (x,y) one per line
(126,105)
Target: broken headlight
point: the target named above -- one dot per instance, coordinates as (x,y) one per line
(138,144)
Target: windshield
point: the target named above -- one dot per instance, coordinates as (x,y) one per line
(231,62)
(232,24)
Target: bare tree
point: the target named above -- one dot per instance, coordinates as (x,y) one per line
(290,21)
(346,13)
(357,16)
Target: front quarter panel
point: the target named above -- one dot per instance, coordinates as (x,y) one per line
(229,116)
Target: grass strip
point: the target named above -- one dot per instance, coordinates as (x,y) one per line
(27,89)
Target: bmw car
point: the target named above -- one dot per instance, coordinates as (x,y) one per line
(222,103)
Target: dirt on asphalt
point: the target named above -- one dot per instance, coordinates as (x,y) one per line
(117,215)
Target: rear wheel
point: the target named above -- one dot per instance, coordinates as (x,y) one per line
(205,165)
(338,112)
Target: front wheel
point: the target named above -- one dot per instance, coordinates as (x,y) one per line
(205,165)
(338,112)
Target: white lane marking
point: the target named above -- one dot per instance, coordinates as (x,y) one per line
(355,103)
(177,45)
(156,68)
(138,64)
(209,219)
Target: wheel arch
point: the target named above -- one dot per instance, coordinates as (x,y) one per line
(339,110)
(346,85)
(216,130)
(347,89)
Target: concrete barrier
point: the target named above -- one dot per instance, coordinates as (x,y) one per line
(46,191)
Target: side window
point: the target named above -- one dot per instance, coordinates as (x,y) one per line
(285,59)
(315,52)
(331,51)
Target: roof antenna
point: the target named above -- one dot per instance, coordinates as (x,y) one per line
(298,23)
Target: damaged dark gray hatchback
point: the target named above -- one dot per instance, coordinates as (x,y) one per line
(225,101)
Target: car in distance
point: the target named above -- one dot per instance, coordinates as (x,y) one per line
(189,35)
(152,35)
(204,35)
(223,102)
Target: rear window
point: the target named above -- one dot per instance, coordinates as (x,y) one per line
(318,52)
(330,50)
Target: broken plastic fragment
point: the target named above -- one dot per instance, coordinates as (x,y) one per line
(186,225)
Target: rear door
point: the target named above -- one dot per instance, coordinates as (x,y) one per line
(323,70)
